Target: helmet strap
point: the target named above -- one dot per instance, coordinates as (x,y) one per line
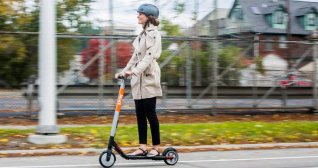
(147,23)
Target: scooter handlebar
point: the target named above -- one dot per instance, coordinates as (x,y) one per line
(122,77)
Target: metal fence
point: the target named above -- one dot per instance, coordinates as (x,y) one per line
(197,73)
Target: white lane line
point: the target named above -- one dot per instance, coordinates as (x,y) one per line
(90,165)
(253,159)
(191,161)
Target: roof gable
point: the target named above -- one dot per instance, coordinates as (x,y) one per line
(305,10)
(232,8)
(271,9)
(259,24)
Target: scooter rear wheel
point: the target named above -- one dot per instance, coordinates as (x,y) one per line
(104,163)
(173,154)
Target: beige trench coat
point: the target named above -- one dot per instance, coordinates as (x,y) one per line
(145,83)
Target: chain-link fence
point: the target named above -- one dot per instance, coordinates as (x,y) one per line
(196,73)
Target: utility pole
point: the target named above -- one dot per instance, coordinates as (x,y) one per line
(101,74)
(289,58)
(111,17)
(254,71)
(315,61)
(47,130)
(113,48)
(215,61)
(188,76)
(198,74)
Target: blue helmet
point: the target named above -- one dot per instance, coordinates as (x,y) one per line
(149,9)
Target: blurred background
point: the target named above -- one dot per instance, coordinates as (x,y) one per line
(226,54)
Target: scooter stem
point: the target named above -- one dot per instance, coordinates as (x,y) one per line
(116,115)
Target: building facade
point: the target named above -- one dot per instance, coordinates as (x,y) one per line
(268,20)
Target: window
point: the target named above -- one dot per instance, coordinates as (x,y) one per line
(221,23)
(311,19)
(279,17)
(282,38)
(239,15)
(268,46)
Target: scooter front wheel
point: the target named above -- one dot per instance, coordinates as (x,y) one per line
(103,161)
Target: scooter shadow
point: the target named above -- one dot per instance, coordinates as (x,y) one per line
(142,165)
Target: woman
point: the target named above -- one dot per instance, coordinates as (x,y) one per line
(145,81)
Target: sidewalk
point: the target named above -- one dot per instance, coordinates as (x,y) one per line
(182,148)
(21,127)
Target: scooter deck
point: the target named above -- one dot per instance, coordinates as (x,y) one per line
(122,154)
(160,157)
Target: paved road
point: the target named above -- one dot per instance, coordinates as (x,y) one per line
(278,158)
(17,105)
(13,101)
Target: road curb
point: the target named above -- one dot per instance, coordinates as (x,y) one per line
(190,148)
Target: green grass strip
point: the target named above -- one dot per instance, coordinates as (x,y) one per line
(187,134)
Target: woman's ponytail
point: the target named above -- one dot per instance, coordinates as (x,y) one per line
(153,21)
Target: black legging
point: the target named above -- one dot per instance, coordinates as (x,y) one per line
(146,109)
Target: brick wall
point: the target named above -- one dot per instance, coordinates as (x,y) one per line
(276,49)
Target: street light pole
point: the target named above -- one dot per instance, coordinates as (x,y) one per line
(198,76)
(289,38)
(47,130)
(215,61)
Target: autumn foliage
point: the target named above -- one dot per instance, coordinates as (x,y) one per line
(124,51)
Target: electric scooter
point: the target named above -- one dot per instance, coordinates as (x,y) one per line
(107,158)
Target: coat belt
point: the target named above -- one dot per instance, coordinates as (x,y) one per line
(151,67)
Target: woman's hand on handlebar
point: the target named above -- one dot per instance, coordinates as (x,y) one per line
(124,74)
(127,73)
(117,74)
